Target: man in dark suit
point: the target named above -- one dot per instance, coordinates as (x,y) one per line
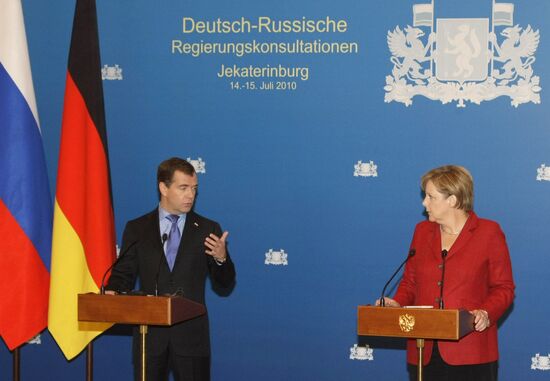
(172,250)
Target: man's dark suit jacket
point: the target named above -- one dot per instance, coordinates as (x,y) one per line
(143,256)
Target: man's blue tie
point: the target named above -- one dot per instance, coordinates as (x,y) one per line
(173,242)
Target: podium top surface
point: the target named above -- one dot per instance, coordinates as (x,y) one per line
(146,310)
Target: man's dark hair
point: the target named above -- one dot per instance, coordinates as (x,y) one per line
(166,169)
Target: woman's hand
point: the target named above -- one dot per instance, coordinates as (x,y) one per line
(481,320)
(389,302)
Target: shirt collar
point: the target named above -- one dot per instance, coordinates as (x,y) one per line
(165,224)
(163,213)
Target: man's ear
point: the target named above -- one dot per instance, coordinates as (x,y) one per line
(163,189)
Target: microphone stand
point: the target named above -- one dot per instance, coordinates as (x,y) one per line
(443,256)
(164,239)
(102,288)
(412,252)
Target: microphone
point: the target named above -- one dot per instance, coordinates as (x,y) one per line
(443,256)
(164,239)
(102,288)
(412,252)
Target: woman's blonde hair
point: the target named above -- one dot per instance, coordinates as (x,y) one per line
(453,180)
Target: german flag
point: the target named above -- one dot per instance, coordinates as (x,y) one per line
(83,242)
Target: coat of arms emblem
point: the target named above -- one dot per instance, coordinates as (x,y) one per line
(463,59)
(198,164)
(543,173)
(406,322)
(111,73)
(361,353)
(365,169)
(540,362)
(274,257)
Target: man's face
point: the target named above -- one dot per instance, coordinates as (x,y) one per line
(179,197)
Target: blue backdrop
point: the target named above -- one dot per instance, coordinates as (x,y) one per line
(320,169)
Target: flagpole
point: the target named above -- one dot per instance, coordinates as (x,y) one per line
(16,354)
(492,43)
(90,362)
(431,44)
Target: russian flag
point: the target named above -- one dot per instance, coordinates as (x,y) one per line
(25,203)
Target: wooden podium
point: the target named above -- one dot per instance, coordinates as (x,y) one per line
(414,323)
(142,310)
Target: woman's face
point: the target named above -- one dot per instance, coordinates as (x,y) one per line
(438,205)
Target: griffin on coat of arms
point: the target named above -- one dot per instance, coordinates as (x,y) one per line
(407,46)
(517,46)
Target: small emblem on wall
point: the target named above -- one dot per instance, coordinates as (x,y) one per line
(199,164)
(540,362)
(361,353)
(35,340)
(365,169)
(543,173)
(273,257)
(111,73)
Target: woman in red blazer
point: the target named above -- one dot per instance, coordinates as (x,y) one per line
(478,277)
